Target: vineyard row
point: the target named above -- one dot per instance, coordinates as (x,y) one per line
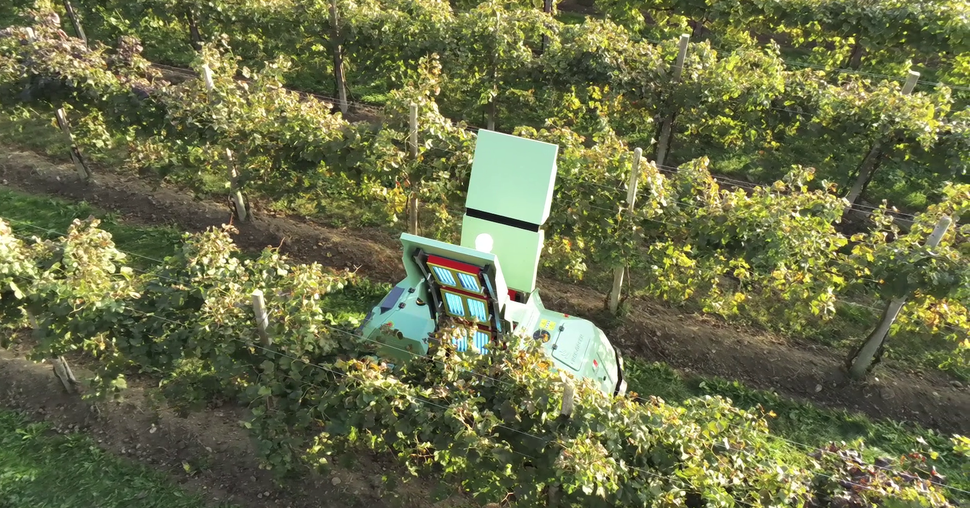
(881,36)
(872,34)
(773,256)
(313,397)
(502,65)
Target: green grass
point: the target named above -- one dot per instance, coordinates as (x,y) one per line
(804,426)
(26,128)
(572,18)
(21,128)
(41,469)
(46,218)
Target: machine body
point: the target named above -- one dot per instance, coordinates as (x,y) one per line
(489,281)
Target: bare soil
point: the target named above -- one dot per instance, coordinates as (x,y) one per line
(693,344)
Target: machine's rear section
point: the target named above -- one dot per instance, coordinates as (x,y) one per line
(444,281)
(509,200)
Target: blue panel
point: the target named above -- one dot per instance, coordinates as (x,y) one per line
(444,276)
(468,282)
(477,309)
(481,341)
(454,304)
(391,299)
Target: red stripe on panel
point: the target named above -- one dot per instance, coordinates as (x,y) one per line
(454,265)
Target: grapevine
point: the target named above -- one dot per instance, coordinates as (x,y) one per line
(744,255)
(312,397)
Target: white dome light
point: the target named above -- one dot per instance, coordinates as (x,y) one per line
(483,243)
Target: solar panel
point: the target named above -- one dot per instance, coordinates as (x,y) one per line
(455,275)
(444,275)
(464,306)
(463,295)
(480,342)
(454,303)
(477,309)
(468,282)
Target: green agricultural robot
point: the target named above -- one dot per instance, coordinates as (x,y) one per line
(509,198)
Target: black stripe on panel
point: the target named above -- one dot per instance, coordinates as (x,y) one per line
(500,219)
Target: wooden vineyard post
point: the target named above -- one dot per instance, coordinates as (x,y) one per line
(195,35)
(552,496)
(262,319)
(82,168)
(492,105)
(631,196)
(62,370)
(871,161)
(31,320)
(83,171)
(413,201)
(413,133)
(64,374)
(666,128)
(568,399)
(565,413)
(236,195)
(75,21)
(546,8)
(338,57)
(861,360)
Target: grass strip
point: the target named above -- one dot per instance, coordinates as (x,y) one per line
(804,426)
(40,468)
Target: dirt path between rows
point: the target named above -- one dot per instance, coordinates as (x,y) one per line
(693,344)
